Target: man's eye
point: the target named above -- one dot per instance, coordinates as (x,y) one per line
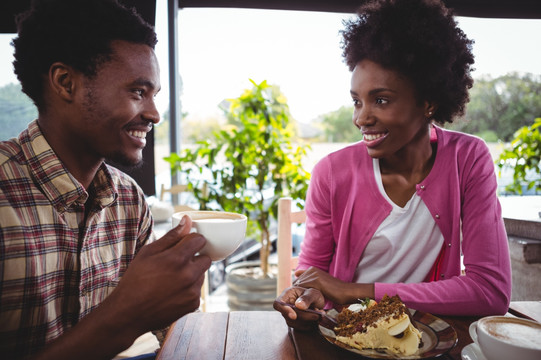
(139,92)
(381,101)
(355,102)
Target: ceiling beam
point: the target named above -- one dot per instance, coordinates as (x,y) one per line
(521,9)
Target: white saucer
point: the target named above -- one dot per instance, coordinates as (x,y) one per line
(472,352)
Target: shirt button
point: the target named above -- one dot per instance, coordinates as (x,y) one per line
(422,187)
(449,245)
(437,216)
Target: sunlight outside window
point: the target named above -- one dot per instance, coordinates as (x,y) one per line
(298,51)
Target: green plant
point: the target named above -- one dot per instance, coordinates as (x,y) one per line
(502,104)
(488,136)
(338,127)
(523,155)
(250,164)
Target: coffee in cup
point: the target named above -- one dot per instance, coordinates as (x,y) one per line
(506,337)
(224,231)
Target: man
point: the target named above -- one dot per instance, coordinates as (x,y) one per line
(70,225)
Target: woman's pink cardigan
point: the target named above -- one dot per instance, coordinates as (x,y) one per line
(344,208)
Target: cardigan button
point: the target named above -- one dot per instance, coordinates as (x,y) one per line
(437,216)
(422,187)
(449,244)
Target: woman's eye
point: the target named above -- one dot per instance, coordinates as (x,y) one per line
(381,101)
(355,102)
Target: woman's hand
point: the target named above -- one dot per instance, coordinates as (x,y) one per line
(336,290)
(301,299)
(332,288)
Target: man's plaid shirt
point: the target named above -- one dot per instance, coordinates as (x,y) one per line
(55,266)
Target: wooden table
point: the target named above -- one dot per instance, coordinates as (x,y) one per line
(526,309)
(237,335)
(264,335)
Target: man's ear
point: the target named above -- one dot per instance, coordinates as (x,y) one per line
(62,80)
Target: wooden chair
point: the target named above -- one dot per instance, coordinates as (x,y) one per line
(286,261)
(177,190)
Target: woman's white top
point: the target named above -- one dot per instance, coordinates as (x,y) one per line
(404,247)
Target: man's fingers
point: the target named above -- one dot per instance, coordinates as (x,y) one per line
(173,236)
(190,244)
(203,261)
(184,226)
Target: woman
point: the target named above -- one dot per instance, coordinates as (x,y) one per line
(393,213)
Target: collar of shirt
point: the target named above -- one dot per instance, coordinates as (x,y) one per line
(50,174)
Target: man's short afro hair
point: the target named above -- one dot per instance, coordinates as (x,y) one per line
(75,32)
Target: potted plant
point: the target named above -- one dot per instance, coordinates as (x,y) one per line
(248,166)
(523,156)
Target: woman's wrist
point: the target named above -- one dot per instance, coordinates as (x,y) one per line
(360,291)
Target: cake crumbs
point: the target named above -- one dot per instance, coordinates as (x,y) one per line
(350,322)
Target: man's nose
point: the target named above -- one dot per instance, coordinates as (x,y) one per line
(151,113)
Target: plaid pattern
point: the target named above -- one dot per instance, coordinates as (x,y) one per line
(55,267)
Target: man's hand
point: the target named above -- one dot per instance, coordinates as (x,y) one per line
(162,284)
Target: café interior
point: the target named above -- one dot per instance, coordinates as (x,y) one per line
(524,233)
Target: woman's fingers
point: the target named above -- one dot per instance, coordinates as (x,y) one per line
(310,299)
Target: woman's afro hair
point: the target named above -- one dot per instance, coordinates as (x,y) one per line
(420,40)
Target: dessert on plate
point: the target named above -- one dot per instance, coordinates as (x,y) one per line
(383,326)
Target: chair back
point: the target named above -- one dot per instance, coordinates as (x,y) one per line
(176,190)
(286,262)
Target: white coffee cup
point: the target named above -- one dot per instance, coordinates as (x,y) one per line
(224,231)
(507,337)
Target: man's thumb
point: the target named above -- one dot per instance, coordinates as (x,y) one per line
(184,226)
(173,236)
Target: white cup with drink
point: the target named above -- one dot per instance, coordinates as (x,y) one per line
(507,337)
(224,231)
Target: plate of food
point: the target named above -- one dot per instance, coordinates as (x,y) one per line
(387,330)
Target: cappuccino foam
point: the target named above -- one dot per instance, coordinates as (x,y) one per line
(215,220)
(516,333)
